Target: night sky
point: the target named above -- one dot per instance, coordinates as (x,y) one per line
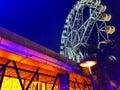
(42,21)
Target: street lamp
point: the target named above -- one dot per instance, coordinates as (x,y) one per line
(89,63)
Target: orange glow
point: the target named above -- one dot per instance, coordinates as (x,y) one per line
(88,63)
(49,87)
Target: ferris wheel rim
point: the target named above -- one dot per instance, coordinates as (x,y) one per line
(68,28)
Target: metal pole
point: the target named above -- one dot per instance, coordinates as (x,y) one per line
(91,78)
(5,65)
(86,85)
(37,83)
(78,84)
(2,76)
(74,86)
(55,81)
(3,72)
(32,78)
(92,82)
(22,86)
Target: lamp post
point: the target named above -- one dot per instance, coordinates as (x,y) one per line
(89,64)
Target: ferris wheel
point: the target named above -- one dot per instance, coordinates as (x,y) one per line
(85,25)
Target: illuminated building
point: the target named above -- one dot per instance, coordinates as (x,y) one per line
(25,65)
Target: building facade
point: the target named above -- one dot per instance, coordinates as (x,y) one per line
(26,65)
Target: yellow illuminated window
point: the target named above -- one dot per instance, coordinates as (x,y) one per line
(11,84)
(43,86)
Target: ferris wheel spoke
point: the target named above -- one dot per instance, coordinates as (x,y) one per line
(98,35)
(76,45)
(102,26)
(78,18)
(73,24)
(103,36)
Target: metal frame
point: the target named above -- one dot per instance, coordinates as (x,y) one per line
(77,83)
(3,72)
(3,69)
(55,81)
(28,71)
(32,78)
(17,72)
(74,86)
(85,84)
(35,74)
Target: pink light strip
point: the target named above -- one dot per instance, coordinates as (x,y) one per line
(32,54)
